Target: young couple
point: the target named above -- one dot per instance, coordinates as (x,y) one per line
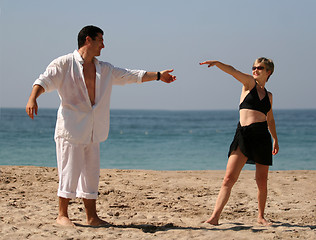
(84,86)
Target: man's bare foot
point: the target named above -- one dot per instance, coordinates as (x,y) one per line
(97,222)
(264,222)
(212,221)
(64,221)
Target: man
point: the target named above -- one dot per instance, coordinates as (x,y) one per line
(84,86)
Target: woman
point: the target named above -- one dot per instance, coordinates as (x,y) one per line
(252,141)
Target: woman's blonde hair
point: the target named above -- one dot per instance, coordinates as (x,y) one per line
(268,63)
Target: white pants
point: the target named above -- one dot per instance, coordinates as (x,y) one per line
(78,169)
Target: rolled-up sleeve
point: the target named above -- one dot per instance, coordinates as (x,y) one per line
(126,76)
(52,76)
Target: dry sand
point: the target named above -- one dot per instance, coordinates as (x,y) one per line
(143,204)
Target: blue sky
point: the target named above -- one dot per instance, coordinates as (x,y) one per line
(157,35)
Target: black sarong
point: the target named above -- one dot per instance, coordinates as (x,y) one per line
(254,142)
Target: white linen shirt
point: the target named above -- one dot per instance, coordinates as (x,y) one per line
(77,120)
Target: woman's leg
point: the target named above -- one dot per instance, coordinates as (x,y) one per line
(236,162)
(262,183)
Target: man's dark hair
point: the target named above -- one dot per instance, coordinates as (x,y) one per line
(91,31)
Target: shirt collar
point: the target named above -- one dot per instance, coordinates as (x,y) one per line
(80,59)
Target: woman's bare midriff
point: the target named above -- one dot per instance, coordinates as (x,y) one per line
(249,116)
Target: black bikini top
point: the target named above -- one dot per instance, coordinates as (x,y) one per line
(252,101)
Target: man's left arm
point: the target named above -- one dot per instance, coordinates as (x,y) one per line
(164,76)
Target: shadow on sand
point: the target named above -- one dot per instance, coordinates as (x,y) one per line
(151,228)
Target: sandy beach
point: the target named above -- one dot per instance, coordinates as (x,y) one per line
(142,204)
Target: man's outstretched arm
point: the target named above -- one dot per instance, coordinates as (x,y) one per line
(165,76)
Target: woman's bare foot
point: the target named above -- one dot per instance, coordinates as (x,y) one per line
(263,222)
(64,221)
(97,222)
(212,221)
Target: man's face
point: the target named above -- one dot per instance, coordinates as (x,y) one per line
(97,44)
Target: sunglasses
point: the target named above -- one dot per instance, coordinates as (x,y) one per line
(259,68)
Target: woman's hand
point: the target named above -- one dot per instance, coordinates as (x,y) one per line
(209,63)
(275,148)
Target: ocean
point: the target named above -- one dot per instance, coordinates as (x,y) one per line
(159,140)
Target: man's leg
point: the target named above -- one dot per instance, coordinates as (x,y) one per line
(91,211)
(89,182)
(63,218)
(69,161)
